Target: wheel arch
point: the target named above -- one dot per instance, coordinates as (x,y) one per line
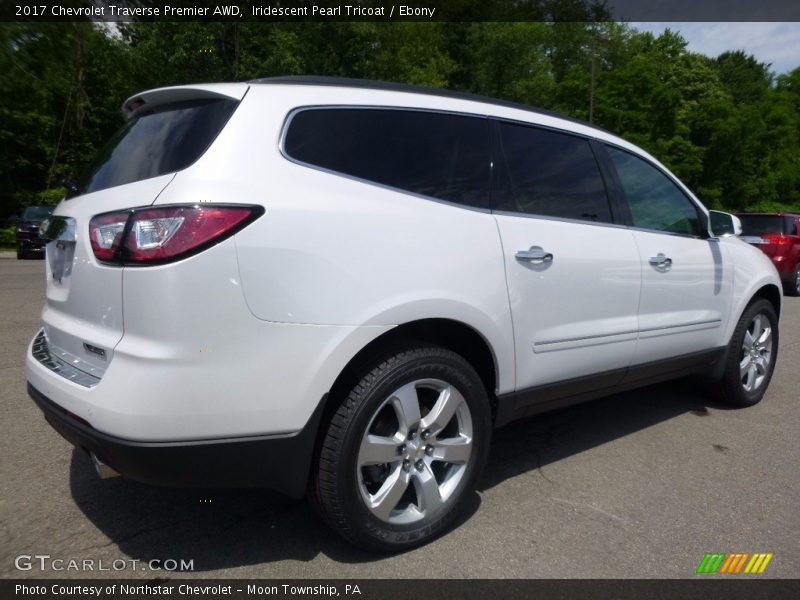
(454,335)
(770,292)
(448,333)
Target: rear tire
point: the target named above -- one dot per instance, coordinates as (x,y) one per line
(383,480)
(752,353)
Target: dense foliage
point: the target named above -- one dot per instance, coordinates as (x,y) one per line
(726,125)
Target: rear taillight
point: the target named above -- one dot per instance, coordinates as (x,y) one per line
(777,239)
(105,233)
(147,236)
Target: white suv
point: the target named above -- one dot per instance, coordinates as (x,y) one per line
(339,288)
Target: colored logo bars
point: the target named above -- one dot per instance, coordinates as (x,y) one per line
(734,563)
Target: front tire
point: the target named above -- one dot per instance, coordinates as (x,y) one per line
(793,287)
(404,450)
(752,353)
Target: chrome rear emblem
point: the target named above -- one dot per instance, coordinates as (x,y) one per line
(94,350)
(60,233)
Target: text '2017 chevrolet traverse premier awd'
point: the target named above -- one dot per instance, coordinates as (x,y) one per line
(339,288)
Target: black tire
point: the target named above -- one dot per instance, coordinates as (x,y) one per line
(793,286)
(341,480)
(731,389)
(20,255)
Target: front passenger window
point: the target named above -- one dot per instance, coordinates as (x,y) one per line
(654,200)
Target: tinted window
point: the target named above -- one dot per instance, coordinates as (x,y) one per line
(654,199)
(791,226)
(37,213)
(162,141)
(761,224)
(433,154)
(546,173)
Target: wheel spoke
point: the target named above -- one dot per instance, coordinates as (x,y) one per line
(748,340)
(757,328)
(378,450)
(386,498)
(453,450)
(406,405)
(428,496)
(442,412)
(766,336)
(751,377)
(744,365)
(761,365)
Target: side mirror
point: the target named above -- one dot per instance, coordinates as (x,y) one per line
(721,224)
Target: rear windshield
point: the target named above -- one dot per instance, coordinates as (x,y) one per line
(37,213)
(761,224)
(164,140)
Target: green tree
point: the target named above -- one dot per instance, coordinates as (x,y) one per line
(60,93)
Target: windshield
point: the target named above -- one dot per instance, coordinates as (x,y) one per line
(761,224)
(37,213)
(165,140)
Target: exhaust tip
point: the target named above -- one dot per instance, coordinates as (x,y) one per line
(103,470)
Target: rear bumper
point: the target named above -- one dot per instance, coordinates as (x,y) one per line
(278,462)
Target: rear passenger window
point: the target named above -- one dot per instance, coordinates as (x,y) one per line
(433,154)
(791,226)
(654,200)
(543,172)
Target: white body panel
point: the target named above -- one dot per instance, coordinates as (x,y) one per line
(684,308)
(86,306)
(194,363)
(246,337)
(576,315)
(752,270)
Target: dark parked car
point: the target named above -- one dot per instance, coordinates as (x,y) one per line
(778,236)
(29,243)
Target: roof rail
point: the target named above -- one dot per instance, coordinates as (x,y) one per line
(393,86)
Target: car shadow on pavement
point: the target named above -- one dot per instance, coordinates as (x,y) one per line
(223,528)
(534,442)
(216,528)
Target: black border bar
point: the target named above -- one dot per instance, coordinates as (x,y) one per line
(273,11)
(735,587)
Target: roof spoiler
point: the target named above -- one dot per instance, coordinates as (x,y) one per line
(157,97)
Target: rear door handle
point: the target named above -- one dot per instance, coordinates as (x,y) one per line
(659,260)
(534,255)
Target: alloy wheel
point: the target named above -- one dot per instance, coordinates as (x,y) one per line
(415,451)
(756,353)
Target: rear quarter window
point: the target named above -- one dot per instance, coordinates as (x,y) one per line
(439,155)
(165,140)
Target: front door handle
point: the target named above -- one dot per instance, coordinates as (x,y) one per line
(534,255)
(661,261)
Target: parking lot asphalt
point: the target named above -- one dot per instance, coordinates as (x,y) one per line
(640,484)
